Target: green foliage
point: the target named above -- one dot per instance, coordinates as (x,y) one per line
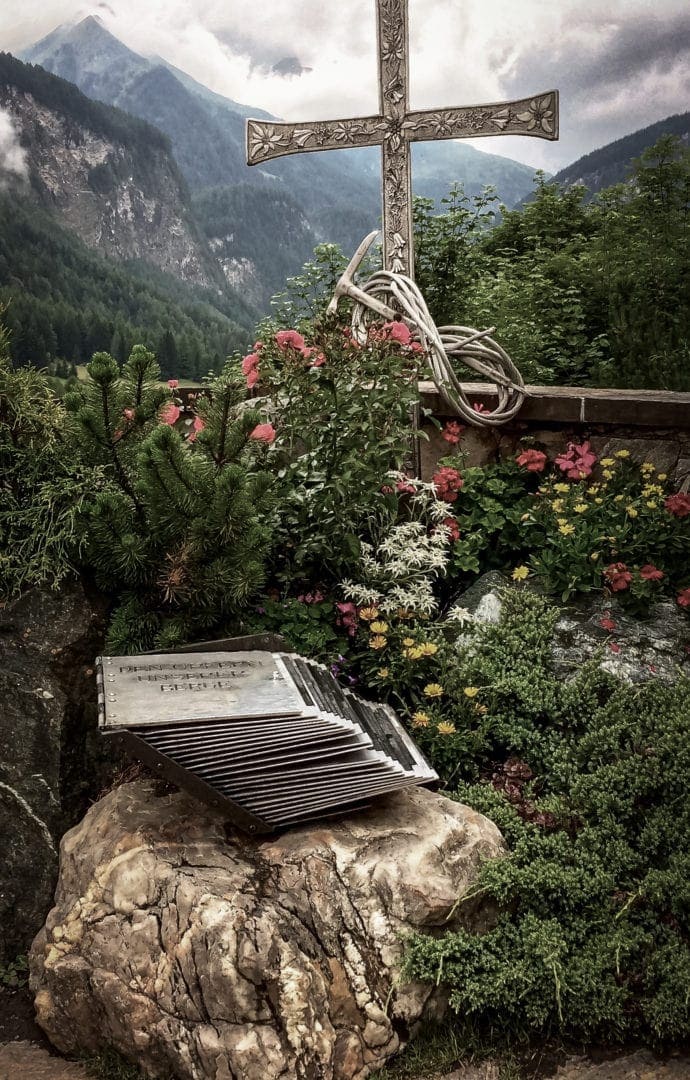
(65,302)
(307,295)
(43,488)
(579,291)
(306,622)
(177,529)
(15,974)
(343,417)
(587,782)
(109,1065)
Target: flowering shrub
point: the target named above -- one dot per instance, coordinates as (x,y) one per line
(580,526)
(341,413)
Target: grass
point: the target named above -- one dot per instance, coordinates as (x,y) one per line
(108,1065)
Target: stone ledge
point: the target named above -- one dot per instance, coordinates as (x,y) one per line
(580,405)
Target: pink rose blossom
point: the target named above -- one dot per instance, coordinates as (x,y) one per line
(250,363)
(263,433)
(290,339)
(397,331)
(173,383)
(197,426)
(169,414)
(252,378)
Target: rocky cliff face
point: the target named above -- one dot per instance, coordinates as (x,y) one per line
(123,203)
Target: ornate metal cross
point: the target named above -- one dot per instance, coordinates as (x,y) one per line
(396,127)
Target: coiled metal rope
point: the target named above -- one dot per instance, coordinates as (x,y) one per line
(395,296)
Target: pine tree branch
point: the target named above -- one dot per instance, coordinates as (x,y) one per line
(119,468)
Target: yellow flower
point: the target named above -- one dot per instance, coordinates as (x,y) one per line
(631,511)
(562,521)
(368,613)
(382,673)
(647,467)
(407,641)
(520,573)
(593,489)
(558,506)
(445,728)
(652,489)
(619,498)
(622,453)
(433,690)
(378,642)
(606,462)
(428,648)
(662,476)
(566,530)
(607,474)
(580,508)
(420,719)
(651,504)
(471,691)
(414,653)
(594,556)
(598,501)
(562,489)
(403,613)
(378,627)
(481,709)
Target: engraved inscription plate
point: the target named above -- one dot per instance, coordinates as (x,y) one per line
(164,689)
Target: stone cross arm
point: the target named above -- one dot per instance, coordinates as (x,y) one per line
(535,116)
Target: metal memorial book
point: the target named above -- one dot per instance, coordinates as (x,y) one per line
(269,737)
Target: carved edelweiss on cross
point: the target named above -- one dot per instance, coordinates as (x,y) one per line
(396,127)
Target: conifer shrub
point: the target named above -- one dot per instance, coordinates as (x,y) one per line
(176,528)
(587,779)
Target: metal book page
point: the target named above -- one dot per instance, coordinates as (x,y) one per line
(175,687)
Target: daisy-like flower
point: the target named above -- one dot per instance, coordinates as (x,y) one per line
(608,474)
(647,468)
(558,506)
(562,489)
(382,673)
(378,627)
(408,642)
(420,719)
(414,653)
(471,691)
(566,530)
(607,462)
(446,728)
(580,508)
(622,454)
(428,648)
(481,709)
(378,642)
(631,511)
(368,613)
(433,690)
(520,573)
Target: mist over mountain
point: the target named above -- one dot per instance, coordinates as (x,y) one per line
(303,200)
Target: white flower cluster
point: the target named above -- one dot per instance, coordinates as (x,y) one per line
(401,571)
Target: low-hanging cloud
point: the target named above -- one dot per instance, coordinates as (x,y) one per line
(620,64)
(12,154)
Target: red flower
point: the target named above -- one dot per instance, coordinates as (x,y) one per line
(533,460)
(257,346)
(478,407)
(169,414)
(650,573)
(678,505)
(128,414)
(405,488)
(608,624)
(618,576)
(447,482)
(453,528)
(683,598)
(577,461)
(263,433)
(614,647)
(290,339)
(348,616)
(452,431)
(416,346)
(397,331)
(173,383)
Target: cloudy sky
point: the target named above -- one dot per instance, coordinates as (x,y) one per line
(619,64)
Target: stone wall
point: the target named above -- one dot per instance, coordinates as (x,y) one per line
(653,424)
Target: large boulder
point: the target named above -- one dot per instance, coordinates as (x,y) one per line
(47,641)
(198,953)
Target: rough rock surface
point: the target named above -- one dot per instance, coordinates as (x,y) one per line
(198,953)
(46,640)
(634,650)
(641,1065)
(31,1062)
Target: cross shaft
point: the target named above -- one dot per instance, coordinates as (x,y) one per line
(395,127)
